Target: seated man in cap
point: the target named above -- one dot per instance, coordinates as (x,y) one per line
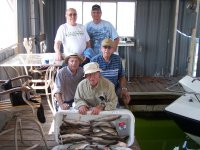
(67,80)
(111,65)
(94,93)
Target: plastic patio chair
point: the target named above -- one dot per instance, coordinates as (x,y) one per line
(46,84)
(21,113)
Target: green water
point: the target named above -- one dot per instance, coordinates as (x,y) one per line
(160,133)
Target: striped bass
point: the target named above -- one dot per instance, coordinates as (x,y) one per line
(76,122)
(114,137)
(99,147)
(82,131)
(65,138)
(103,141)
(107,118)
(109,130)
(78,146)
(120,144)
(103,124)
(99,134)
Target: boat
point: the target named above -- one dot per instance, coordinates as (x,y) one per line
(185,110)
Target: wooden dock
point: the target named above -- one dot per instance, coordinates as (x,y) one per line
(153,90)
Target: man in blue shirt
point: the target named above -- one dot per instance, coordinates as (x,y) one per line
(111,65)
(99,29)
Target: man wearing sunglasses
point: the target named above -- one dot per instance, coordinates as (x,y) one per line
(99,29)
(112,69)
(73,37)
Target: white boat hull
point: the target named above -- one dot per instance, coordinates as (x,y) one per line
(186,113)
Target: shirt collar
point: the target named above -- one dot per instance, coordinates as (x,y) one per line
(69,71)
(110,59)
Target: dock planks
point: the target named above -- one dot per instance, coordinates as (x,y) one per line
(152,90)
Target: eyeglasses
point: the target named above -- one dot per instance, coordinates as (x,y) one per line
(107,47)
(72,14)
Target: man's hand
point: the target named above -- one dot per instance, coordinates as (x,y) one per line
(59,57)
(83,109)
(64,106)
(96,110)
(57,45)
(85,61)
(126,97)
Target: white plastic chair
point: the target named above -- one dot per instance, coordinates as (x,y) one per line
(20,112)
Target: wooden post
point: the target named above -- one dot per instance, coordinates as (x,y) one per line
(192,50)
(174,38)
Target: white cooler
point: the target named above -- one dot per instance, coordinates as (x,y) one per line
(126,116)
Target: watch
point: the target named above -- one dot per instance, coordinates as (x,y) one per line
(124,88)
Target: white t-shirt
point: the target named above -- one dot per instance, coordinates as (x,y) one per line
(73,38)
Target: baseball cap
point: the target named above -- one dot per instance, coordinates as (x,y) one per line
(96,7)
(107,42)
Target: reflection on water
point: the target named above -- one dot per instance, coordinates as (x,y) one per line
(158,132)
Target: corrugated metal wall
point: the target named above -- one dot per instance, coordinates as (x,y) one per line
(154,38)
(154,29)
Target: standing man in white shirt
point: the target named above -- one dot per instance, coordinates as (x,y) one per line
(73,37)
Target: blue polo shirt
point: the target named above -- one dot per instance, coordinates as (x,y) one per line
(112,70)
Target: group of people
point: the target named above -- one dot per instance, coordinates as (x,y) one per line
(93,77)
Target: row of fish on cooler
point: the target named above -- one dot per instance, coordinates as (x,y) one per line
(100,133)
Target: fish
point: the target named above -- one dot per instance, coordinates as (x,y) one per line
(62,147)
(76,122)
(109,130)
(78,146)
(100,134)
(102,141)
(114,137)
(107,118)
(96,130)
(120,144)
(103,124)
(76,131)
(99,147)
(82,130)
(65,138)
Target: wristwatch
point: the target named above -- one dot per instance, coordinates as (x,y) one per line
(124,88)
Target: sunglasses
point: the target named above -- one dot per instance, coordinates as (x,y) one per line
(107,47)
(72,14)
